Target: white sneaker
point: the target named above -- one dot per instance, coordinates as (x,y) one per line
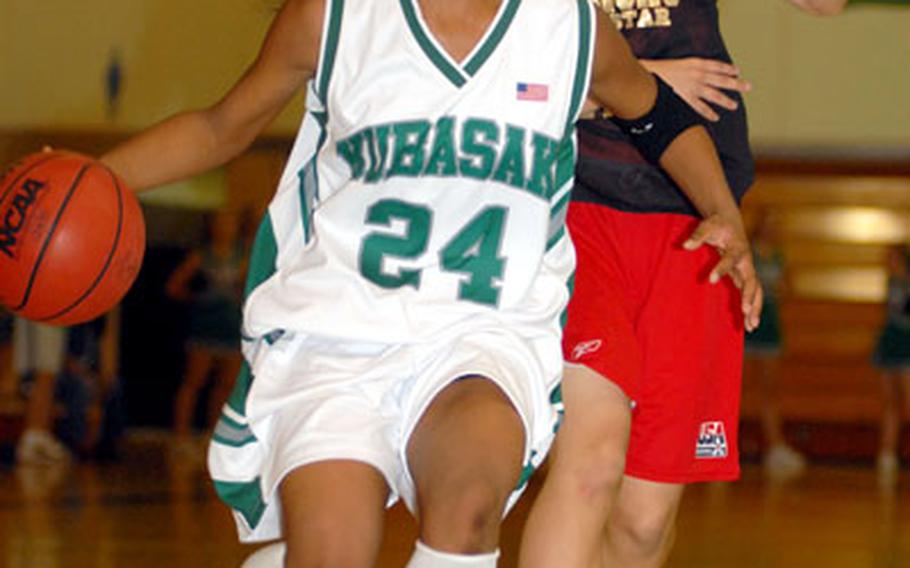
(887,467)
(782,461)
(38,447)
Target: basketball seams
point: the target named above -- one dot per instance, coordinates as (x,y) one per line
(47,239)
(15,182)
(110,257)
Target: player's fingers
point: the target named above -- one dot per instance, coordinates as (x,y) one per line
(717,97)
(699,236)
(737,279)
(703,109)
(749,289)
(727,82)
(757,307)
(715,66)
(752,308)
(724,268)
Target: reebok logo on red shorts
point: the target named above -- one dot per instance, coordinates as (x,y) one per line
(712,441)
(585,347)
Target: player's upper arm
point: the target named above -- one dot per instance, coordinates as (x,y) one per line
(286,60)
(618,81)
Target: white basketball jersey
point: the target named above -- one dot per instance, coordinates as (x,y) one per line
(422,196)
(422,191)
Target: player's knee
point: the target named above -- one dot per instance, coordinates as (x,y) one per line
(646,532)
(464,519)
(324,541)
(592,475)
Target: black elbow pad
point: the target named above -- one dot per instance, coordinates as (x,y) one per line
(667,119)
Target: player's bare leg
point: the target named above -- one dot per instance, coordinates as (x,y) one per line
(641,527)
(333,514)
(566,524)
(198,364)
(465,456)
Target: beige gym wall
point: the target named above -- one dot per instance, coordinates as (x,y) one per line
(176,54)
(823,82)
(818,82)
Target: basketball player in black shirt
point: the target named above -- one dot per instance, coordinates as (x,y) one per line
(653,345)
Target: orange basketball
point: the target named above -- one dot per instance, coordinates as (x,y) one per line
(72,237)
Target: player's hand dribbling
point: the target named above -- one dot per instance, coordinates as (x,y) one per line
(729,239)
(700,81)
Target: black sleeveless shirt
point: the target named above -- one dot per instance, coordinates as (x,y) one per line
(610,170)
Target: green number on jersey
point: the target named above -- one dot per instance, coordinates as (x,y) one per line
(475,251)
(411,245)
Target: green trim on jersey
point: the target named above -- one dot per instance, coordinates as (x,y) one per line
(264,256)
(583,68)
(567,151)
(231,433)
(532,464)
(492,41)
(564,318)
(329,48)
(307,190)
(526,472)
(237,400)
(559,208)
(556,237)
(566,155)
(442,62)
(243,497)
(452,71)
(308,179)
(556,395)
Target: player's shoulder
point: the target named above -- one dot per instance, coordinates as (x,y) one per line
(308,10)
(296,32)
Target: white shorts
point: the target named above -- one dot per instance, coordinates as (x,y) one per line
(316,399)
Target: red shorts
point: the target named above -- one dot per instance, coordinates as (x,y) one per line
(644,315)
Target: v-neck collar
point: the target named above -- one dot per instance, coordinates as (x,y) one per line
(459,73)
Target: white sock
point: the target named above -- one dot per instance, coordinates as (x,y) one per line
(426,557)
(270,556)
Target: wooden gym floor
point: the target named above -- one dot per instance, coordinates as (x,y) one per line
(151,509)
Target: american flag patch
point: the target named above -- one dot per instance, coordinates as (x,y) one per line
(532,92)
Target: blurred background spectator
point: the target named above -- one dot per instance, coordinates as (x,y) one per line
(892,358)
(210,282)
(764,347)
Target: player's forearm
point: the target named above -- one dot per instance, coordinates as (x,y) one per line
(182,146)
(691,160)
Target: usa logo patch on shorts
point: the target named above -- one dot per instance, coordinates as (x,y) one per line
(712,441)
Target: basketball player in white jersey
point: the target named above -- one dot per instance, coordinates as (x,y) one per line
(402,321)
